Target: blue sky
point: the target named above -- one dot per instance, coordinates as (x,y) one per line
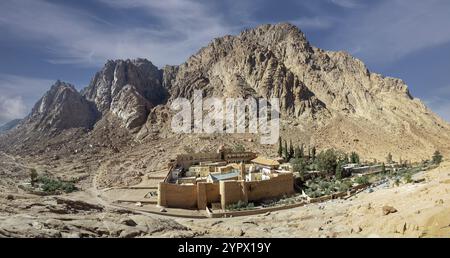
(42,41)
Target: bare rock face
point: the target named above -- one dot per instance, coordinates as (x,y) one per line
(328,99)
(335,99)
(130,106)
(62,107)
(129,89)
(247,65)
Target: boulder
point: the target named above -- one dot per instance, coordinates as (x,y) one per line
(388,210)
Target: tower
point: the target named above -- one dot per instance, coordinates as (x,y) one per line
(242,171)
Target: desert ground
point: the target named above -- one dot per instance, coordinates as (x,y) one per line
(422,210)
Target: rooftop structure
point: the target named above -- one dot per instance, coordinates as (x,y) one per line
(216,177)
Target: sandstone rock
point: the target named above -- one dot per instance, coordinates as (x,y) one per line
(388,210)
(130,233)
(78,205)
(128,222)
(129,89)
(62,107)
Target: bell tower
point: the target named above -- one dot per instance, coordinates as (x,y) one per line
(242,171)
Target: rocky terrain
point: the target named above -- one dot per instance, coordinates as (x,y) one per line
(118,127)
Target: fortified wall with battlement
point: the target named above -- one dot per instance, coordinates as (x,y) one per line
(203,194)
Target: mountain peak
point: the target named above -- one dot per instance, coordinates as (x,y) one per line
(61,107)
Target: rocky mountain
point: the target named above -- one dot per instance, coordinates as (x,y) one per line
(62,107)
(129,89)
(10,125)
(328,99)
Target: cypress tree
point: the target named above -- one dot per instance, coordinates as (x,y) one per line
(291,150)
(286,151)
(297,152)
(280,147)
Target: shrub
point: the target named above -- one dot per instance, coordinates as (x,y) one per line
(327,161)
(354,157)
(52,186)
(362,180)
(437,157)
(33,176)
(408,178)
(299,165)
(239,148)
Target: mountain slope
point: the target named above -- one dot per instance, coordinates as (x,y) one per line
(328,99)
(332,97)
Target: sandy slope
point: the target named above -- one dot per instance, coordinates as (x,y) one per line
(423,211)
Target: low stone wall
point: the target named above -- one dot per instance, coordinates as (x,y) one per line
(223,214)
(339,195)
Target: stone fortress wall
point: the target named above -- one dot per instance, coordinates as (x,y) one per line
(202,194)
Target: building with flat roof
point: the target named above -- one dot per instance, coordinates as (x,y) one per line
(216,177)
(265,163)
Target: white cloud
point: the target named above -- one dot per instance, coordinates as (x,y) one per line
(74,36)
(393,29)
(11,108)
(347,3)
(18,94)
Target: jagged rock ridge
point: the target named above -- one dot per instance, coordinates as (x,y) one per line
(62,107)
(333,98)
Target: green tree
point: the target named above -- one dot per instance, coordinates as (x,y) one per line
(33,176)
(339,174)
(389,158)
(362,180)
(297,153)
(280,147)
(437,157)
(313,153)
(286,151)
(342,161)
(291,150)
(327,161)
(354,158)
(299,165)
(239,148)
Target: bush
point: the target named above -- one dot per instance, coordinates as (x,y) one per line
(408,178)
(240,205)
(437,158)
(362,180)
(239,148)
(327,161)
(52,186)
(33,176)
(354,157)
(299,165)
